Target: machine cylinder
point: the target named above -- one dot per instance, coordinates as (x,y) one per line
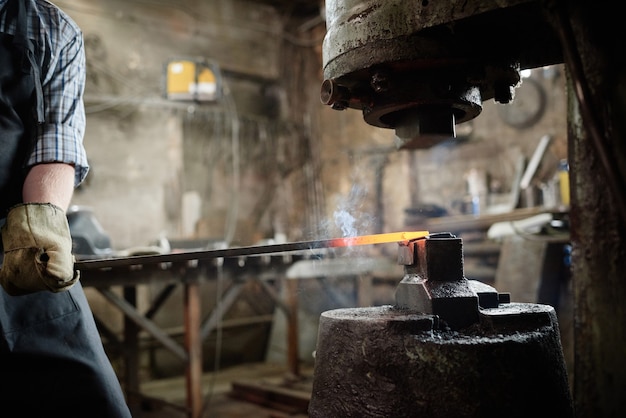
(422,67)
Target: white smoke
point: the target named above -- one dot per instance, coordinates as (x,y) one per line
(346,222)
(350,218)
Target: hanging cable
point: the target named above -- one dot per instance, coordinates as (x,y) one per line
(233,212)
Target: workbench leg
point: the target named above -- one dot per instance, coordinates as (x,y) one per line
(131,356)
(293,348)
(193,345)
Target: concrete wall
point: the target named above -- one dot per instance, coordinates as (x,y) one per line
(153,158)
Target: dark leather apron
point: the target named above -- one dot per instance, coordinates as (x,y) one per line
(21,105)
(52,362)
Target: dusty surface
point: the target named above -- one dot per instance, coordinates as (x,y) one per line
(219,399)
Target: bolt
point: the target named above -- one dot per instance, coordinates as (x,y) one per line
(380,82)
(503,92)
(334,95)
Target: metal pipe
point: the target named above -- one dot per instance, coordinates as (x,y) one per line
(249,250)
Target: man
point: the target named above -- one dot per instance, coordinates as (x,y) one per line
(51,356)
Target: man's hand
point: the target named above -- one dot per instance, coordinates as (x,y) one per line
(37,250)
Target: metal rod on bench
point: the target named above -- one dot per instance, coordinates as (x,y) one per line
(250,250)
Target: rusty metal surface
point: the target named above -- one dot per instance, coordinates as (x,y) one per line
(416,34)
(385,362)
(449,347)
(356,24)
(434,281)
(598,230)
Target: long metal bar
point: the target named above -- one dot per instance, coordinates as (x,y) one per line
(249,251)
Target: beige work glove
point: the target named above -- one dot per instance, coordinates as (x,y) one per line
(37,250)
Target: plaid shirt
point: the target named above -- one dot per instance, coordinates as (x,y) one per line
(61,57)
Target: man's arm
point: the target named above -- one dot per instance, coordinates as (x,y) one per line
(60,138)
(36,235)
(49,183)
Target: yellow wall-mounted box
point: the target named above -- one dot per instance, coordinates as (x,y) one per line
(193,80)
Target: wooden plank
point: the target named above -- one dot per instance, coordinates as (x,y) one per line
(293,344)
(273,396)
(132,315)
(131,352)
(193,345)
(461,223)
(226,301)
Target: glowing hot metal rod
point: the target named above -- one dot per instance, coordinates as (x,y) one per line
(376,239)
(251,250)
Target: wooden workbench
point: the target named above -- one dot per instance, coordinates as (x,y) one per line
(267,269)
(189,276)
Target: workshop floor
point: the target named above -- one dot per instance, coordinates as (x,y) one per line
(258,390)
